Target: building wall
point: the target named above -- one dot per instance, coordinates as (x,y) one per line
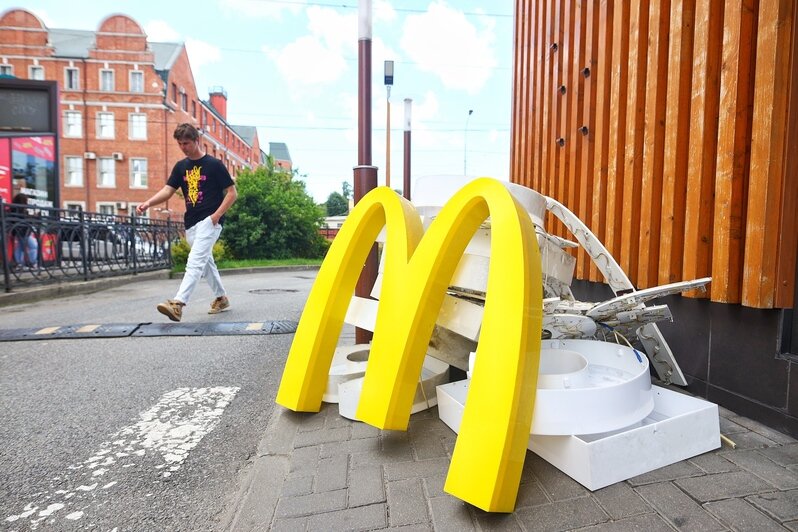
(121,45)
(668,127)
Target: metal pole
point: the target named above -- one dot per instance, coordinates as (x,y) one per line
(406,183)
(465,141)
(388,139)
(365,175)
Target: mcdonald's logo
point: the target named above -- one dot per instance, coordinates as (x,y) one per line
(489,452)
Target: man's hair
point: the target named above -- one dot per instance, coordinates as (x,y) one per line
(186,131)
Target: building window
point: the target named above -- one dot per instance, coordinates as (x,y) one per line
(36,72)
(105,125)
(194,108)
(73,124)
(73,206)
(184,102)
(106,208)
(138,126)
(6,70)
(106,80)
(138,173)
(106,172)
(73,174)
(71,79)
(136,81)
(174,92)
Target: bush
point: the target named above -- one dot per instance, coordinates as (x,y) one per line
(181,249)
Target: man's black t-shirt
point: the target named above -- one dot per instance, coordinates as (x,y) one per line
(203,182)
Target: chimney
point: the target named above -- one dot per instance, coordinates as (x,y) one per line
(219,100)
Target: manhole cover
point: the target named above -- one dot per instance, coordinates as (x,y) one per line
(272,290)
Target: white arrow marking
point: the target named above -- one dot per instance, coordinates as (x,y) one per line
(170,429)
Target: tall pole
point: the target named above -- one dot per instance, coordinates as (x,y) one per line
(465,142)
(406,183)
(388,83)
(365,173)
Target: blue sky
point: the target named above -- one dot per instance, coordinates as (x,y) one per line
(290,68)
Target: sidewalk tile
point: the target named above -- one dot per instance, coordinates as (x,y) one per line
(678,508)
(290,524)
(638,523)
(498,522)
(663,474)
(406,503)
(621,501)
(450,515)
(764,430)
(434,486)
(755,462)
(364,430)
(306,439)
(530,493)
(737,514)
(714,462)
(751,440)
(304,459)
(785,455)
(295,485)
(723,486)
(782,505)
(331,473)
(557,485)
(360,518)
(311,504)
(562,515)
(364,445)
(423,468)
(366,486)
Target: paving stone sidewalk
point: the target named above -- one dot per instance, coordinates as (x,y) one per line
(324,472)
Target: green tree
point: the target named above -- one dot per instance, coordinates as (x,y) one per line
(273,218)
(346,190)
(337,204)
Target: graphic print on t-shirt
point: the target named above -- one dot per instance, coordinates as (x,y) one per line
(193,178)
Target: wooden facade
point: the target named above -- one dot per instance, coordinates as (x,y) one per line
(671,128)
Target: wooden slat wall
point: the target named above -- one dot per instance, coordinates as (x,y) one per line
(676,145)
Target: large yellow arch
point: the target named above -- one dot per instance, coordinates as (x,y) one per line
(490,449)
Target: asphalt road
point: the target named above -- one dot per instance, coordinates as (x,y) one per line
(138,433)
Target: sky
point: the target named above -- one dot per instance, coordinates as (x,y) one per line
(290,68)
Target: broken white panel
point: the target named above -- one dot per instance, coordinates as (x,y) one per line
(613,393)
(679,427)
(569,326)
(458,315)
(634,299)
(349,362)
(471,275)
(433,373)
(556,263)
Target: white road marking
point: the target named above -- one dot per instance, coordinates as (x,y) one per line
(168,430)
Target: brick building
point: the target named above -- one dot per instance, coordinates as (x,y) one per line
(120,98)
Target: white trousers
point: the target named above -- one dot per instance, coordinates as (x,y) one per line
(201,237)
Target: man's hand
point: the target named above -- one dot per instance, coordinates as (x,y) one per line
(141,208)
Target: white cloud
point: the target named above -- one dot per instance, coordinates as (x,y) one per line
(444,42)
(201,53)
(259,9)
(161,31)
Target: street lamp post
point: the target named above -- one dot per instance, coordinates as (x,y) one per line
(406,180)
(465,142)
(388,83)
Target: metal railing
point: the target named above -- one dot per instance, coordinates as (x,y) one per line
(79,246)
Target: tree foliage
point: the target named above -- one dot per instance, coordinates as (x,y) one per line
(273,218)
(337,205)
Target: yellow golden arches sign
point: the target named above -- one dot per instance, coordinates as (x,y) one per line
(490,448)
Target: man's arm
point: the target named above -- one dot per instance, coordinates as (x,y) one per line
(230,195)
(159,197)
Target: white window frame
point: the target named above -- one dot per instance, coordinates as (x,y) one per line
(105,125)
(73,124)
(107,83)
(106,207)
(136,81)
(74,205)
(106,172)
(73,173)
(36,72)
(139,178)
(135,129)
(6,69)
(71,74)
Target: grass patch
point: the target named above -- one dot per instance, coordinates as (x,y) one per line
(256,263)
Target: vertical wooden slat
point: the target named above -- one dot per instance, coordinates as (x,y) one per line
(788,243)
(545,140)
(565,37)
(541,62)
(633,148)
(522,95)
(617,128)
(703,141)
(768,137)
(603,88)
(586,168)
(654,143)
(733,154)
(555,152)
(517,151)
(677,127)
(575,104)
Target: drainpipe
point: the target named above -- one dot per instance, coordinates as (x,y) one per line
(86,137)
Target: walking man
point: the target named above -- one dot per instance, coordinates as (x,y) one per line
(209,191)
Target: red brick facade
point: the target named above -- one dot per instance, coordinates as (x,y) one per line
(143,89)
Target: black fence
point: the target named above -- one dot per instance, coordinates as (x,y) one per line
(43,245)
